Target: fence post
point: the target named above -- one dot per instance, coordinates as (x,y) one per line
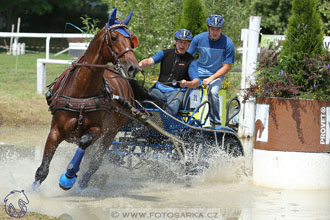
(250,39)
(41,76)
(47,46)
(11,39)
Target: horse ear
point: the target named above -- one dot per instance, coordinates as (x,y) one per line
(112,17)
(126,20)
(135,41)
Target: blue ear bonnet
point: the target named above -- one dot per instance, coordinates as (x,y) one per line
(123,31)
(113,22)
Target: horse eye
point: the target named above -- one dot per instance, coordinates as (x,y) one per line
(113,38)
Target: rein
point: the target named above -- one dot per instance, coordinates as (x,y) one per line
(105,66)
(117,69)
(174,82)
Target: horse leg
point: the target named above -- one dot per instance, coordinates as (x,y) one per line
(68,179)
(96,160)
(53,140)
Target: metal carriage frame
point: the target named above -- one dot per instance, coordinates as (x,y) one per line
(183,138)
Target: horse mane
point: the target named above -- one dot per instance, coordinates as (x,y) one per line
(96,37)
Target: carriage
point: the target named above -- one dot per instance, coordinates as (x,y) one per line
(92,99)
(186,138)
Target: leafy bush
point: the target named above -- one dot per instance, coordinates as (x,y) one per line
(273,79)
(90,25)
(301,68)
(304,34)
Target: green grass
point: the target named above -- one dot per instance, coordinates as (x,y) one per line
(22,82)
(28,216)
(21,105)
(18,75)
(235,84)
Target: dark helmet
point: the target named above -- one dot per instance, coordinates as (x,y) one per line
(183,34)
(215,21)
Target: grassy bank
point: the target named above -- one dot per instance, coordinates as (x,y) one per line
(20,105)
(28,216)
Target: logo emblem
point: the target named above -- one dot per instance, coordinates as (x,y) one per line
(261,122)
(15,204)
(325,125)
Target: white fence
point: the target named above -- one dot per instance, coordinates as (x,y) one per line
(41,63)
(41,72)
(47,36)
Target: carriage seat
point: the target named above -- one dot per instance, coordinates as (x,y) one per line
(191,99)
(192,106)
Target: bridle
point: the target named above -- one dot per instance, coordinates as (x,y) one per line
(116,56)
(107,32)
(117,68)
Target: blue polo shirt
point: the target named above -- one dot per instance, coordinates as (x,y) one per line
(212,54)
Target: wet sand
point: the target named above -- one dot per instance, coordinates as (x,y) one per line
(224,191)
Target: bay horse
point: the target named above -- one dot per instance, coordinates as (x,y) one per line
(83,106)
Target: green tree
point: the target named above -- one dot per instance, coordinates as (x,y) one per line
(274,13)
(236,14)
(193,17)
(50,15)
(153,22)
(304,41)
(13,8)
(304,36)
(325,15)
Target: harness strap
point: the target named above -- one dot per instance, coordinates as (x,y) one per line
(123,52)
(80,119)
(108,67)
(92,65)
(80,104)
(134,114)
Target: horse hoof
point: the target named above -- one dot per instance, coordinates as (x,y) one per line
(67,182)
(36,186)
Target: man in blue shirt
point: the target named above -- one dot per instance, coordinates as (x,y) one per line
(216,54)
(178,70)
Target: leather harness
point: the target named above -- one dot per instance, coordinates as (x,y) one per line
(90,104)
(103,102)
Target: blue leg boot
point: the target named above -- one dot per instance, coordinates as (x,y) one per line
(68,179)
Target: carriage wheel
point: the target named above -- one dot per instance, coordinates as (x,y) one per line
(197,159)
(233,147)
(126,156)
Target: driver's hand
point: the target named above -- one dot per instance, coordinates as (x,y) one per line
(206,81)
(140,66)
(183,83)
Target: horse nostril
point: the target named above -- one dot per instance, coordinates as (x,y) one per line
(131,71)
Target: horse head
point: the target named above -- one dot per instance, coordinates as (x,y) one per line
(120,42)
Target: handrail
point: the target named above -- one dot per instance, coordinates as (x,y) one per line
(228,108)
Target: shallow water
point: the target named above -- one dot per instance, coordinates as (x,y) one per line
(224,191)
